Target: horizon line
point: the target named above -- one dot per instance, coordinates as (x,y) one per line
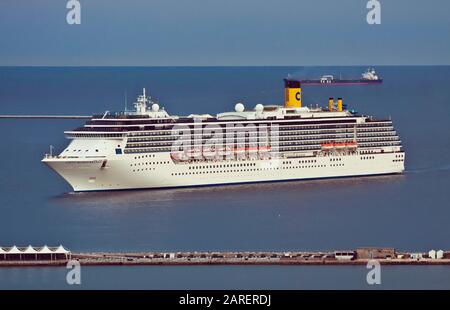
(217,66)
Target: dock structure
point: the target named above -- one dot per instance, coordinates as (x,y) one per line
(45,116)
(33,254)
(360,256)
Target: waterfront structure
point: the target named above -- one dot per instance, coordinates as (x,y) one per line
(15,253)
(386,256)
(375,253)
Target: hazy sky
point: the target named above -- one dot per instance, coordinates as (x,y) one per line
(224,32)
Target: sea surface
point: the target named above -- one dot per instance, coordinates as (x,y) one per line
(407,212)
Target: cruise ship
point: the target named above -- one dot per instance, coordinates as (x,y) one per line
(150,148)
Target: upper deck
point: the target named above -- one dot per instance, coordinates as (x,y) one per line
(156,121)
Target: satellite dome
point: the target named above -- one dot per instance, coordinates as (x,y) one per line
(259,107)
(239,107)
(155,107)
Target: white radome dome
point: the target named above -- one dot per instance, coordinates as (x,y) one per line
(239,107)
(155,107)
(259,107)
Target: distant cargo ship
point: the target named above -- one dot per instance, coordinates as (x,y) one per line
(368,77)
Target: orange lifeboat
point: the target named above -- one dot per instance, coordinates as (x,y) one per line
(327,145)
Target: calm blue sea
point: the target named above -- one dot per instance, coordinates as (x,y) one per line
(408,212)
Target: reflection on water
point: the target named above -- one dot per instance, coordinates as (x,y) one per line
(159,197)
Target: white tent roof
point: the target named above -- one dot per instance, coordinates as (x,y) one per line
(45,250)
(14,250)
(30,250)
(61,250)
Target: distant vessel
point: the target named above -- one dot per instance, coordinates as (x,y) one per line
(368,77)
(149,148)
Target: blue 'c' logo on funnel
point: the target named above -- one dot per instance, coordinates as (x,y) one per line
(297,96)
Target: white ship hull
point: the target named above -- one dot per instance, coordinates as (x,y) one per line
(130,171)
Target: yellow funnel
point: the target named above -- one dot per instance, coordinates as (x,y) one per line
(339,106)
(330,104)
(292,94)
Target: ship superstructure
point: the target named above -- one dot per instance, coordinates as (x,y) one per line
(149,148)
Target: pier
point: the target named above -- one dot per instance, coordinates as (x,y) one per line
(360,256)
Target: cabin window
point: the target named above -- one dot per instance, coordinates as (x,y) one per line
(118,151)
